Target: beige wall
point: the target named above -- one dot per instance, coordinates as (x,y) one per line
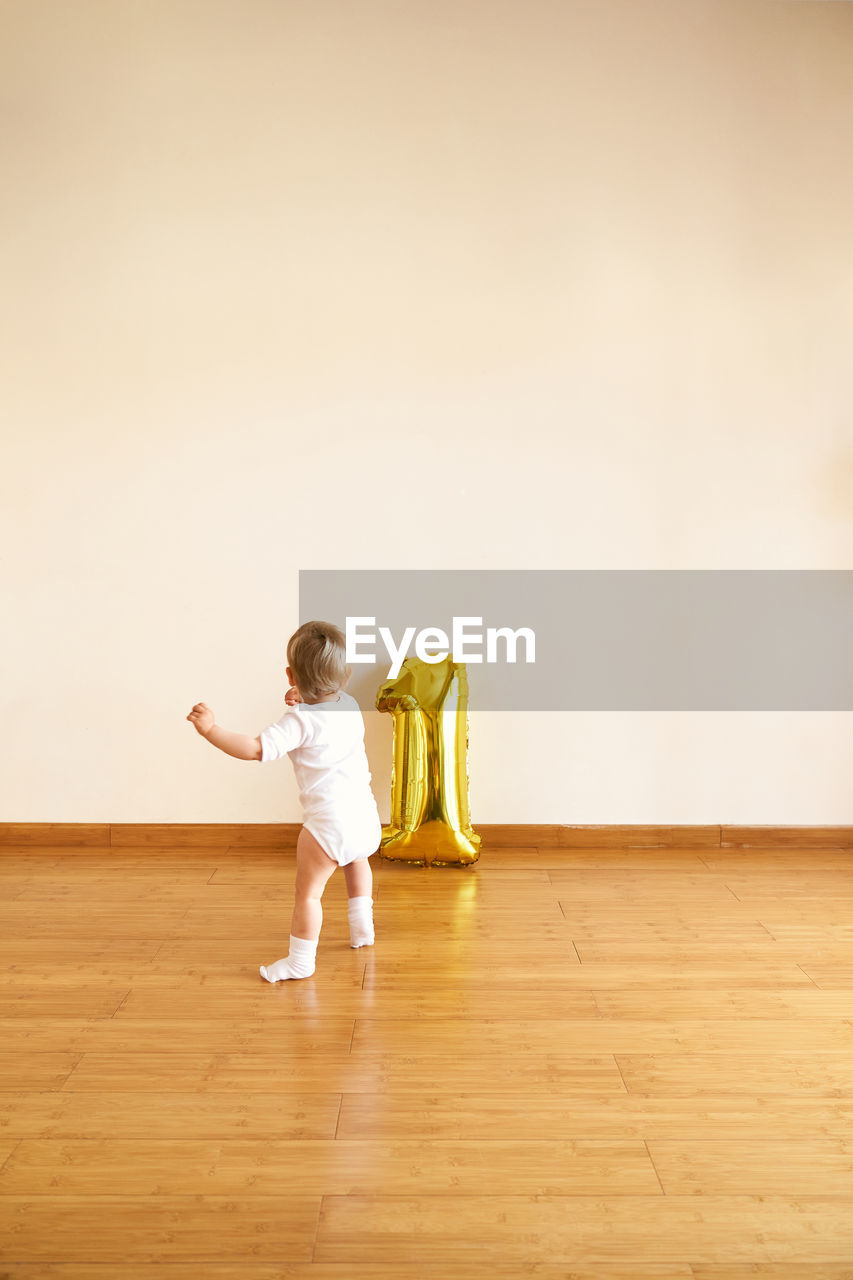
(377,283)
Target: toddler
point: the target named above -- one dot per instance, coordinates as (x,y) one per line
(323,733)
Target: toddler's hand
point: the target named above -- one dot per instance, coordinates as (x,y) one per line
(292,696)
(203,718)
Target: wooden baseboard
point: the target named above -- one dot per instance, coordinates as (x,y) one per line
(735,837)
(187,835)
(153,835)
(594,836)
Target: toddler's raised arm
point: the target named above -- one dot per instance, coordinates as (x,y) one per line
(239,745)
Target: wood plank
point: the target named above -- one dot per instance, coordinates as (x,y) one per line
(659,883)
(407,949)
(617,857)
(830,977)
(100,920)
(23,954)
(821,951)
(701,1075)
(751,860)
(576,994)
(801,1270)
(341,970)
(119,1229)
(528,884)
(705,954)
(408,953)
(36,1070)
(737,1166)
(241,1167)
(169,1114)
(768,909)
(105,857)
(577,856)
(187,866)
(743,1003)
(249,950)
(30,1000)
(284,1027)
(223,903)
(832,884)
(394,948)
(131,881)
(17,860)
(26,1036)
(666,931)
(807,937)
(64,896)
(284,849)
(293,1070)
(458,978)
(720,1229)
(353,1002)
(479,1115)
(281,869)
(649,907)
(247,1270)
(236,919)
(607,1035)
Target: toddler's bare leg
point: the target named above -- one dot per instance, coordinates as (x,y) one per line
(359,878)
(313,868)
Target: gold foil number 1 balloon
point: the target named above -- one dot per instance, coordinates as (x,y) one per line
(430,820)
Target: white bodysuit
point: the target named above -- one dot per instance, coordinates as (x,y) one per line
(325,742)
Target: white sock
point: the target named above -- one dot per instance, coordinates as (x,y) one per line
(298,963)
(360,916)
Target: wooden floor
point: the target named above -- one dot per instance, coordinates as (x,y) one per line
(560,1063)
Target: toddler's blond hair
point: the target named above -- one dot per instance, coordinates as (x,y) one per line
(317,657)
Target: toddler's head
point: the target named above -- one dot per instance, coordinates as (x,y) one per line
(317,660)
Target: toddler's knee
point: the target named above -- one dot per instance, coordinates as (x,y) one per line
(309,895)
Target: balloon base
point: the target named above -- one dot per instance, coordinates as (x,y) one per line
(434,844)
